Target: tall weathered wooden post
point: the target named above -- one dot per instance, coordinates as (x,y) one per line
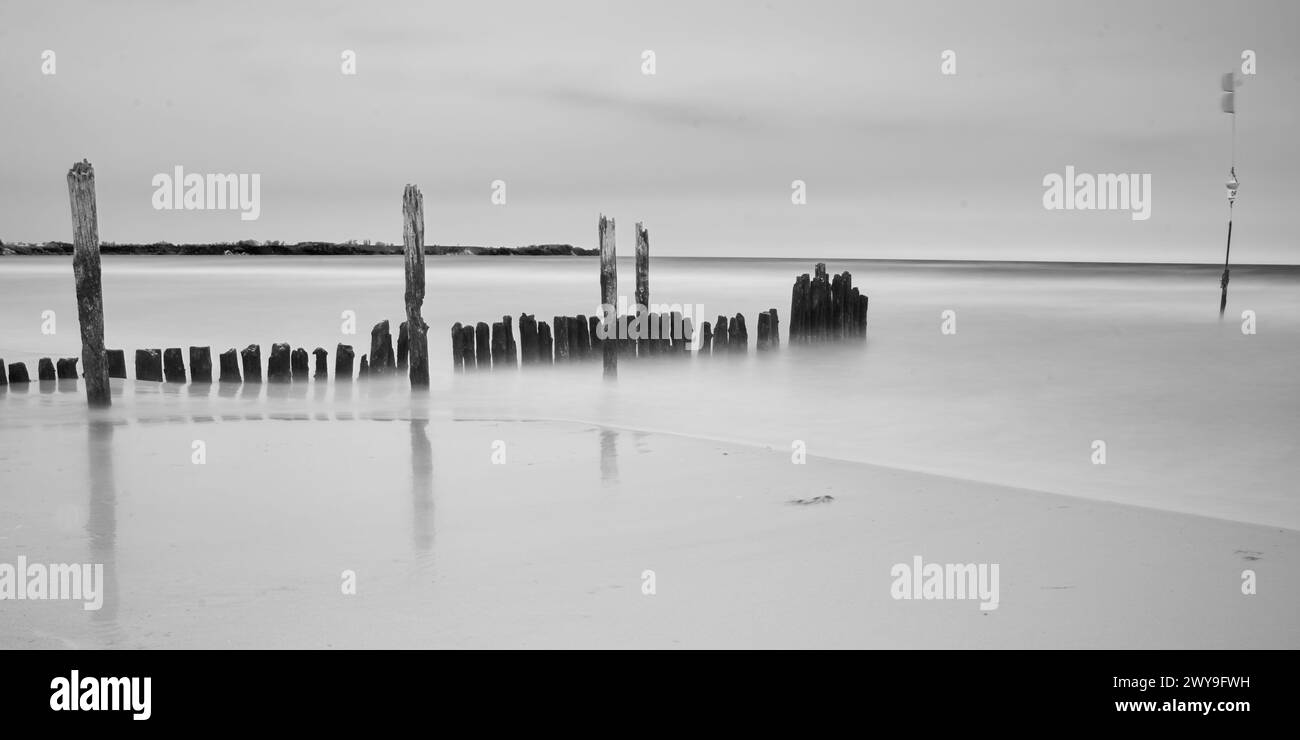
(609,291)
(90,296)
(413,238)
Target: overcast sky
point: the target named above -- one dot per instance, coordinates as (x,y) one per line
(899,159)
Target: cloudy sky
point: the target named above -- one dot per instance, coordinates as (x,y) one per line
(899,159)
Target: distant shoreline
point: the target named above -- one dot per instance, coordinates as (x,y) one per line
(301,248)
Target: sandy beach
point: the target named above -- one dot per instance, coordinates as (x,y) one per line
(550,549)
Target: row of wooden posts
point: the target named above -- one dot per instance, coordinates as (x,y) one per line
(283,365)
(820,309)
(99,364)
(578,338)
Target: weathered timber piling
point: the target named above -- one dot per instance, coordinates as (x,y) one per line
(720,335)
(678,331)
(822,309)
(277,365)
(512,347)
(322,363)
(580,332)
(593,333)
(769,332)
(363,370)
(382,360)
(116,359)
(148,364)
(18,373)
(251,357)
(4,374)
(66,368)
(173,365)
(469,358)
(413,241)
(609,284)
(343,356)
(499,345)
(299,366)
(528,349)
(403,345)
(544,343)
(457,348)
(482,347)
(561,339)
(706,338)
(200,364)
(85,267)
(45,370)
(739,339)
(229,361)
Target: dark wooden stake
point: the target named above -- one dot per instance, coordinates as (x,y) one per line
(90,297)
(457,348)
(544,343)
(173,365)
(200,364)
(322,364)
(277,365)
(482,347)
(230,366)
(413,240)
(252,360)
(343,356)
(148,364)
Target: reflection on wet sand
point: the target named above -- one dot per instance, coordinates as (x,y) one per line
(101,523)
(421,487)
(608,456)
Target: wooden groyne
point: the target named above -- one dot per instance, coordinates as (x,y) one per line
(822,308)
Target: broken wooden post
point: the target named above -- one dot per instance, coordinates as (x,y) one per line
(720,335)
(642,266)
(116,363)
(800,304)
(544,343)
(343,356)
(66,368)
(403,345)
(528,354)
(764,329)
(512,348)
(593,333)
(200,365)
(579,331)
(148,364)
(482,347)
(739,339)
(363,370)
(18,373)
(706,338)
(45,370)
(4,376)
(251,356)
(561,339)
(413,241)
(862,315)
(774,330)
(229,366)
(299,367)
(468,358)
(457,348)
(609,288)
(498,346)
(381,349)
(322,364)
(173,365)
(277,365)
(85,266)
